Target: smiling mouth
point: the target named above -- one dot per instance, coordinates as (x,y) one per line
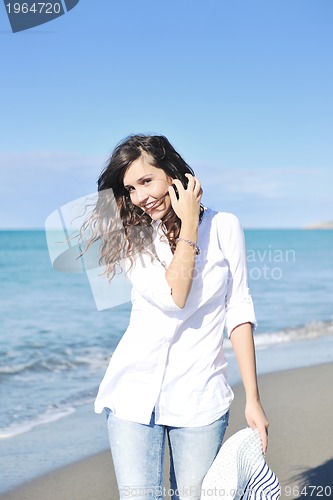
(152,205)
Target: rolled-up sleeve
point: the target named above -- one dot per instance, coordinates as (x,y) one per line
(238,301)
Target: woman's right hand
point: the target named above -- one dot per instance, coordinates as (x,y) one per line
(187,205)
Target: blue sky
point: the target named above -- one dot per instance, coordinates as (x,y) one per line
(242,88)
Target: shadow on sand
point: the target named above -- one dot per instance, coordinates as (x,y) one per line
(316,482)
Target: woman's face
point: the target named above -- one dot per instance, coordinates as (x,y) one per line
(148,187)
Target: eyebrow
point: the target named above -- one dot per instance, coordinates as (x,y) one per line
(139,180)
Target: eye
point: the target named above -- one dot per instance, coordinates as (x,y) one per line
(146,181)
(129,189)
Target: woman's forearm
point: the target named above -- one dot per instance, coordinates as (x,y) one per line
(186,205)
(242,342)
(243,345)
(179,274)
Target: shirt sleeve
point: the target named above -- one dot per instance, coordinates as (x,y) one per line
(238,301)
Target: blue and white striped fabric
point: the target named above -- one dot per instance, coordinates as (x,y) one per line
(240,472)
(263,484)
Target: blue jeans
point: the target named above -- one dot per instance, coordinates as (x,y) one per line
(138,452)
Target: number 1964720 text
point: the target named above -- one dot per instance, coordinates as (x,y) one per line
(35,8)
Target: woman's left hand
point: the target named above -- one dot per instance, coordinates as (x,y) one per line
(187,204)
(256,418)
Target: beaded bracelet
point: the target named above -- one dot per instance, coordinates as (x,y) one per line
(190,242)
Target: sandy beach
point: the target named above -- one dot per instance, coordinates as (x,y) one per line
(299,405)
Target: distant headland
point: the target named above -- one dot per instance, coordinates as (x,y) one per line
(320,225)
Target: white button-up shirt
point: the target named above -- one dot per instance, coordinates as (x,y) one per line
(169,359)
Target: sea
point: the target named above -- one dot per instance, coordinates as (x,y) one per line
(55,344)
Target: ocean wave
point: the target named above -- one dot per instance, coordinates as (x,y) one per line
(46,418)
(91,359)
(312,330)
(95,358)
(14,424)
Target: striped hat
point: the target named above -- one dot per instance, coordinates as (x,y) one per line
(240,472)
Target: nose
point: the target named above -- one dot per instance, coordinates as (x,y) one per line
(141,196)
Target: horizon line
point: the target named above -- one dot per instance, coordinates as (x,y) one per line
(246,228)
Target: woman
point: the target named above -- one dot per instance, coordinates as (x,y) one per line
(167,376)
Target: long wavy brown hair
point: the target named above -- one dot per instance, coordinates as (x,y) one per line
(122,228)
